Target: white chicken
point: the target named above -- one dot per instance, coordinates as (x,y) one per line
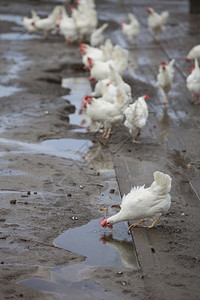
(165,78)
(193,82)
(86,21)
(97,37)
(105,113)
(28,22)
(108,87)
(136,116)
(193,53)
(100,70)
(157,21)
(103,53)
(143,204)
(132,29)
(47,24)
(67,27)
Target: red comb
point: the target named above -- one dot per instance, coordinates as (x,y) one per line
(148,10)
(146,97)
(163,63)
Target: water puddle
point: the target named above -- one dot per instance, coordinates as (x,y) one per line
(12,36)
(66,148)
(93,241)
(79,88)
(102,247)
(6,91)
(12,18)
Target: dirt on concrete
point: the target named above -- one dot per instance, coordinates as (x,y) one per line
(43,195)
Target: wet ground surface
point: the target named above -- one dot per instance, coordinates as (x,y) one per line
(58,179)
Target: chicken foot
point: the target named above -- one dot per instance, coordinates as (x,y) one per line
(134,140)
(136,224)
(152,225)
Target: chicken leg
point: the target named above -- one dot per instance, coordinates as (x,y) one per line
(106,133)
(136,224)
(134,140)
(152,225)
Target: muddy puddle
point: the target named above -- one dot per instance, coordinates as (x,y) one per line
(66,148)
(7,91)
(102,248)
(99,247)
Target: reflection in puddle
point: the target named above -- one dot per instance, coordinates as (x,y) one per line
(69,283)
(79,88)
(100,247)
(89,240)
(101,250)
(66,148)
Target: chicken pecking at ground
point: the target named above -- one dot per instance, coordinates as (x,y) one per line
(143,204)
(157,21)
(136,116)
(193,82)
(165,78)
(132,29)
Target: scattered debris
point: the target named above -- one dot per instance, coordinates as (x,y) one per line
(13,201)
(119,273)
(103,208)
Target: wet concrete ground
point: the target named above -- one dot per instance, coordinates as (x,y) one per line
(56,177)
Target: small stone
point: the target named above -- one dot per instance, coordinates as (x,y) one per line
(119,273)
(153,250)
(24,196)
(81,187)
(183,214)
(74,218)
(69,194)
(123,283)
(117,193)
(13,201)
(25,202)
(2,220)
(46,112)
(112,191)
(2,262)
(35,193)
(28,193)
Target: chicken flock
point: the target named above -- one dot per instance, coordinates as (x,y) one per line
(110,102)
